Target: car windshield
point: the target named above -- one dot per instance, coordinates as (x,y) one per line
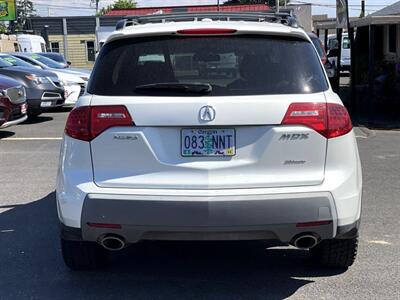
(346,43)
(4,64)
(47,61)
(231,65)
(15,61)
(56,57)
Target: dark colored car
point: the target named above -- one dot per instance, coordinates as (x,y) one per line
(330,70)
(43,88)
(13,106)
(58,57)
(46,63)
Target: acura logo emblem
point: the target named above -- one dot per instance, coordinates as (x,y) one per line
(207,113)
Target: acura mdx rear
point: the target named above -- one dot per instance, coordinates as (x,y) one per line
(209,130)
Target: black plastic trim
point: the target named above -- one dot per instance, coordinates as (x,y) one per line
(348,231)
(70,233)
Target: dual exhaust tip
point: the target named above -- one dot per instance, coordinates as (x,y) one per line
(114,242)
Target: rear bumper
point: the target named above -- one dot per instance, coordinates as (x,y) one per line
(14,122)
(262,217)
(35,98)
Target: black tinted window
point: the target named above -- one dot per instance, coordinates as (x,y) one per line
(236,65)
(318,46)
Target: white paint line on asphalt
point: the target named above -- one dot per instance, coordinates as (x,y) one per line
(32,139)
(379,242)
(2,210)
(7,231)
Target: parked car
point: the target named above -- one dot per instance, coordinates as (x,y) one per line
(58,57)
(345,60)
(13,106)
(329,68)
(154,152)
(43,88)
(47,63)
(31,43)
(73,82)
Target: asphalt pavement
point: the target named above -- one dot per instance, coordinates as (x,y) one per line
(31,266)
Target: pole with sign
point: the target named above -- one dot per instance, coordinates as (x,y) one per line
(341,23)
(7,10)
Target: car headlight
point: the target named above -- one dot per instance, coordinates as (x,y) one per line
(37,79)
(85,78)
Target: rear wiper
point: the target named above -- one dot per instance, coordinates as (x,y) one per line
(197,88)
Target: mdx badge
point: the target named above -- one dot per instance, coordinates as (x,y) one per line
(294,136)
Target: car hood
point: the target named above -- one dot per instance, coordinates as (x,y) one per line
(7,82)
(67,76)
(74,71)
(25,71)
(80,71)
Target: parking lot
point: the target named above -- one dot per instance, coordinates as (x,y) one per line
(31,266)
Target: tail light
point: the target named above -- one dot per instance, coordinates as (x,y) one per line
(87,122)
(329,119)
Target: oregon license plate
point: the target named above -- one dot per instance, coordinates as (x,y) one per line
(208,142)
(45,104)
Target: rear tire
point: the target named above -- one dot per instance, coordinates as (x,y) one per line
(81,255)
(336,253)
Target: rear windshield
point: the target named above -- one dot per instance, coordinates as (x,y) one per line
(234,65)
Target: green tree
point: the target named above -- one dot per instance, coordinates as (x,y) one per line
(3,28)
(25,10)
(119,4)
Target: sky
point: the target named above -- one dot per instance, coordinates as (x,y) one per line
(85,7)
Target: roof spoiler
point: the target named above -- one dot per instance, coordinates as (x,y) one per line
(284,17)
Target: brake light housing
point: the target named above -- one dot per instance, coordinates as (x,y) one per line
(206,31)
(329,119)
(87,122)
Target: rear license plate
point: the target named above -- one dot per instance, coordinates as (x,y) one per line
(46,104)
(208,142)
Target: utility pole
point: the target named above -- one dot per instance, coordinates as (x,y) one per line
(97,5)
(25,7)
(277,6)
(218,5)
(363,8)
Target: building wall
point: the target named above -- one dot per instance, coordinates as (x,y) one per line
(76,51)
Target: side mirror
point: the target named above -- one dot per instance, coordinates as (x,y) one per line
(69,63)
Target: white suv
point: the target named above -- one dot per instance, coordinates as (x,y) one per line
(205,129)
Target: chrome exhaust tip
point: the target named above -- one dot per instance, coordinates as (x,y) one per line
(112,242)
(305,241)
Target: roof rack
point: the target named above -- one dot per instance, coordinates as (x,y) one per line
(284,17)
